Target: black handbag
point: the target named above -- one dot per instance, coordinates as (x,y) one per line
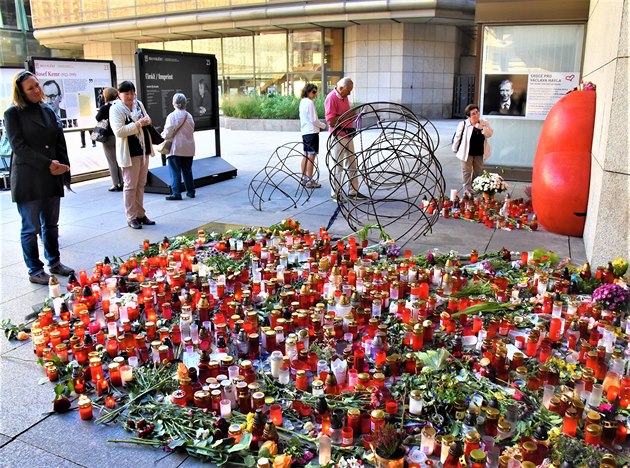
(156,138)
(101,132)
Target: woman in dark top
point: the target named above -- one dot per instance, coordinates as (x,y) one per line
(109,145)
(39,170)
(471,145)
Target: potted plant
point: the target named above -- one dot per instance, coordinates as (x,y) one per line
(489,183)
(388,448)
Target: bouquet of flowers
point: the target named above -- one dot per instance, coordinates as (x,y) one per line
(611,296)
(490,182)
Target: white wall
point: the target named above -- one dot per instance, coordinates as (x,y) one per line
(606,64)
(411,64)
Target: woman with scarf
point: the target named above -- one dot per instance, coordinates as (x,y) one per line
(129,120)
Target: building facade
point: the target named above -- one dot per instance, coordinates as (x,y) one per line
(407,51)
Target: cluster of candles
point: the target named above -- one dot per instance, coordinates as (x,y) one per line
(343,297)
(508,214)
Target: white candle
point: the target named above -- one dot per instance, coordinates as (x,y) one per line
(126,373)
(453,194)
(226,408)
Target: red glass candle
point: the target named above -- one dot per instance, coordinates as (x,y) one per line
(347,436)
(593,434)
(85,408)
(275,414)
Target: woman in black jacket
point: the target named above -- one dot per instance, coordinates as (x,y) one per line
(39,170)
(109,145)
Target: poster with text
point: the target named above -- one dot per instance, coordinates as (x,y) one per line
(545,89)
(6,90)
(72,87)
(161,74)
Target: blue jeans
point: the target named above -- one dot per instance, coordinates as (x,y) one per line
(40,217)
(178,166)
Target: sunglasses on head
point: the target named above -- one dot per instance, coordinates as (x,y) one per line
(23,75)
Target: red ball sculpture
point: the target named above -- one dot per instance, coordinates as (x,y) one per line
(562,165)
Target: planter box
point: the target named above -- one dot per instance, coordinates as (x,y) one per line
(275,125)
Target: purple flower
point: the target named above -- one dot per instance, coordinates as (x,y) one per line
(611,296)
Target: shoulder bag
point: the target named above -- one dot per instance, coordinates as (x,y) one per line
(101,131)
(165,146)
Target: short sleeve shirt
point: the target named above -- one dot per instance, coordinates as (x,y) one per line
(336,106)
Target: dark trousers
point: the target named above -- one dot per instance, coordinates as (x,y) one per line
(181,166)
(40,217)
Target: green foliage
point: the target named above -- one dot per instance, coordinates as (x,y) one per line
(266,107)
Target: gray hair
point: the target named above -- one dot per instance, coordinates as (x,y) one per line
(345,81)
(179,100)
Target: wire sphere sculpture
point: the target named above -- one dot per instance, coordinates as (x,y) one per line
(281,179)
(383,168)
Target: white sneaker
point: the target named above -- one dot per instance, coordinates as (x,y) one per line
(312,184)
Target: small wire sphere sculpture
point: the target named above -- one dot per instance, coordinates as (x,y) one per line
(281,179)
(386,156)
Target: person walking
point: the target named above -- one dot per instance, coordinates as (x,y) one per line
(342,151)
(109,145)
(179,128)
(471,145)
(310,126)
(129,120)
(39,170)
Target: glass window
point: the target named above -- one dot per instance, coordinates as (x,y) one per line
(271,52)
(238,55)
(305,50)
(333,49)
(178,46)
(298,80)
(8,14)
(516,51)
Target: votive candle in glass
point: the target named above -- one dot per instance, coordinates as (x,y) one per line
(275,413)
(85,408)
(126,373)
(226,408)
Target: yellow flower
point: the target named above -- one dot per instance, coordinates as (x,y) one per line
(249,423)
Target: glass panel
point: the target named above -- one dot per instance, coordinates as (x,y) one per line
(12,49)
(239,84)
(271,52)
(305,50)
(8,14)
(519,50)
(151,45)
(178,46)
(238,55)
(333,49)
(298,80)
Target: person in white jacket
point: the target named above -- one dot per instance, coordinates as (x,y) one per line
(310,126)
(179,128)
(470,144)
(129,121)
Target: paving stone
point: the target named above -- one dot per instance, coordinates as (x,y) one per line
(85,443)
(17,454)
(23,403)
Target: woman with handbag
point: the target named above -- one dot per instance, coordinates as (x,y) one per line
(130,122)
(178,131)
(109,144)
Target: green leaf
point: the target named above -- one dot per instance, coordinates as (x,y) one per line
(250,460)
(177,443)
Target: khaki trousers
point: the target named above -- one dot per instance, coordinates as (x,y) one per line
(135,178)
(471,168)
(344,166)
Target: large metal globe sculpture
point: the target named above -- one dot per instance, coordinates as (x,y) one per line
(396,169)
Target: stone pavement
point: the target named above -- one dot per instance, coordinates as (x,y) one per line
(93,225)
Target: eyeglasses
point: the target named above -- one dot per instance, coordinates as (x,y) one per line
(314,91)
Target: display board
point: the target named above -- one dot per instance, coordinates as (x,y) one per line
(6,90)
(525,95)
(74,88)
(160,74)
